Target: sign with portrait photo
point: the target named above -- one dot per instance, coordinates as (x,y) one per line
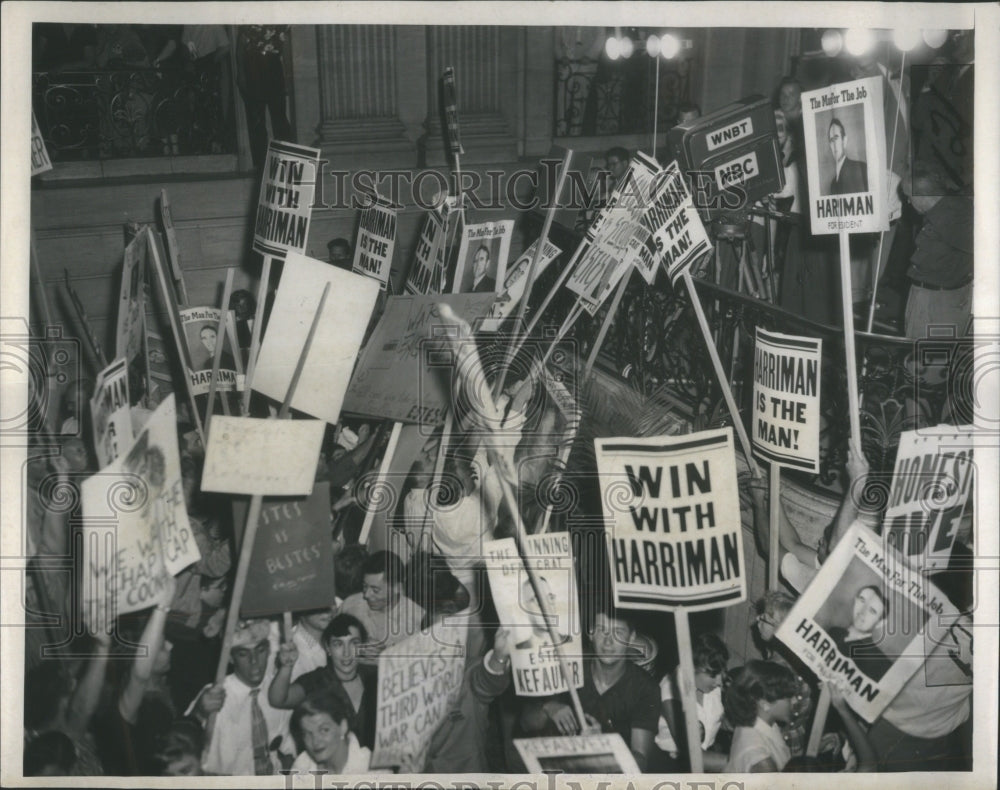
(514,281)
(672,516)
(534,662)
(201,332)
(863,621)
(846,157)
(482,257)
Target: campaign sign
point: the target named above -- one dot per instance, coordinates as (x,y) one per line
(674,234)
(864,620)
(672,516)
(201,333)
(403,373)
(291,567)
(786,385)
(534,661)
(109,411)
(286,195)
(515,280)
(247,455)
(430,250)
(482,257)
(604,256)
(131,325)
(136,528)
(931,483)
(845,157)
(376,242)
(419,680)
(604,753)
(40,162)
(335,344)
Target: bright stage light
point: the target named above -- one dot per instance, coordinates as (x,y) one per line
(859,41)
(832,42)
(669,46)
(906,39)
(627,47)
(613,48)
(935,38)
(653,45)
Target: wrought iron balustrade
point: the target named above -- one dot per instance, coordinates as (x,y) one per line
(137,112)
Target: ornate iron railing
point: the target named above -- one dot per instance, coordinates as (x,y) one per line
(654,344)
(603,97)
(110,114)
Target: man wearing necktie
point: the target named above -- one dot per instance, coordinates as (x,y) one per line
(248,731)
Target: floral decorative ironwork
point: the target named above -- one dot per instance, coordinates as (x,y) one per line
(110,114)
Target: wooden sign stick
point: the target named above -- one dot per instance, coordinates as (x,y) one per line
(606,325)
(819,721)
(774,534)
(853,399)
(533,272)
(167,293)
(258,320)
(250,531)
(220,338)
(689,698)
(727,393)
(173,248)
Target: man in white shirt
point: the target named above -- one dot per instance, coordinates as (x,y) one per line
(246,726)
(386,613)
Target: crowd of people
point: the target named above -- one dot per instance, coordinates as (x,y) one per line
(138,696)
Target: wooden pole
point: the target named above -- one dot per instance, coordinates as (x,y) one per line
(656,102)
(606,325)
(774,545)
(853,400)
(533,272)
(250,532)
(175,327)
(258,320)
(819,721)
(220,342)
(727,393)
(172,248)
(689,698)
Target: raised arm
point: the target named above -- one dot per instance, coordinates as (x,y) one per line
(142,668)
(283,693)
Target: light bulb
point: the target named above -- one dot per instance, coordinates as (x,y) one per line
(906,39)
(628,47)
(859,41)
(612,48)
(935,38)
(669,46)
(653,45)
(832,42)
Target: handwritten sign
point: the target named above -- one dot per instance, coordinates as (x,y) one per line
(845,157)
(403,374)
(335,345)
(286,195)
(376,242)
(672,514)
(291,568)
(136,528)
(606,753)
(931,484)
(419,680)
(109,411)
(40,162)
(246,455)
(534,661)
(863,620)
(605,254)
(786,385)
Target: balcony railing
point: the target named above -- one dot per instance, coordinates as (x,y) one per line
(138,112)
